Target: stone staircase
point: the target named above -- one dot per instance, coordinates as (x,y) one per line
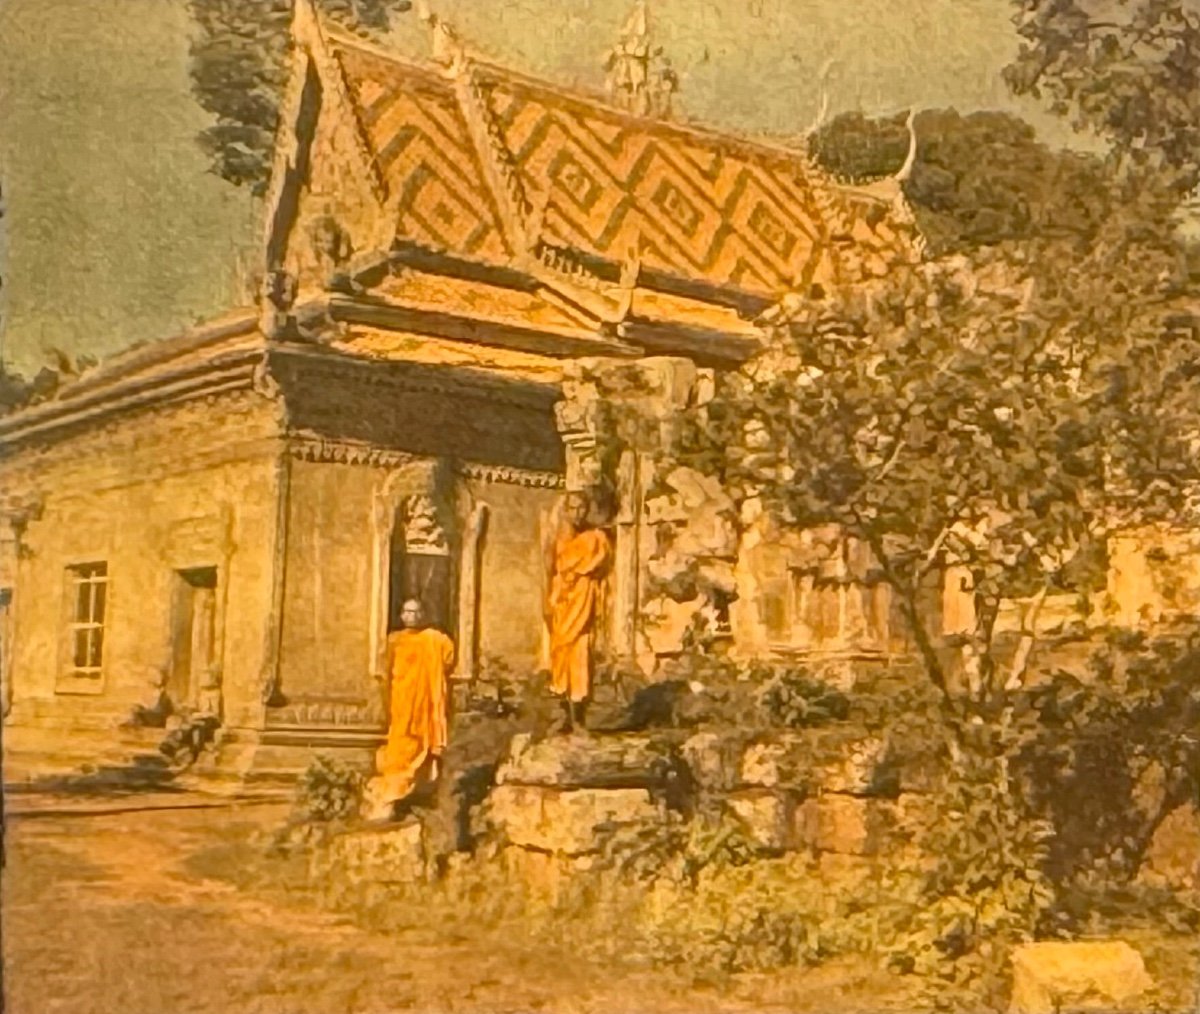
(554,805)
(125,759)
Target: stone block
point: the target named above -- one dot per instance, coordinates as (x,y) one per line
(696,490)
(564,822)
(667,509)
(1090,975)
(393,854)
(767,817)
(714,760)
(764,765)
(1172,858)
(667,621)
(814,762)
(568,762)
(847,825)
(546,877)
(708,533)
(863,768)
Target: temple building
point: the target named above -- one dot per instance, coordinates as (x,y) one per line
(482,289)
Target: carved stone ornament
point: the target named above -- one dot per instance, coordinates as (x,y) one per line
(423,532)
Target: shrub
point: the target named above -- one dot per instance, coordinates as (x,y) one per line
(794,699)
(329,790)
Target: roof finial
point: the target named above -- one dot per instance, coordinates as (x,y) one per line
(906,170)
(640,78)
(448,48)
(823,108)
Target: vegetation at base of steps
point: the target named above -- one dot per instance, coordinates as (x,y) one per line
(991,862)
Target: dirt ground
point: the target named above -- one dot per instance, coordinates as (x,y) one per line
(116,913)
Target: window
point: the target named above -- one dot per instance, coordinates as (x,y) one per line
(88,587)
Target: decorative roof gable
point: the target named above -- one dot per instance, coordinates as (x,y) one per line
(413,123)
(619,187)
(475,161)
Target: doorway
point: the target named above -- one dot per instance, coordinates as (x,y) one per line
(193,634)
(420,564)
(423,576)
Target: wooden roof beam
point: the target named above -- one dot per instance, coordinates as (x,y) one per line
(705,346)
(477,331)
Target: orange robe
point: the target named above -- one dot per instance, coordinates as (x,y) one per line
(579,562)
(419,662)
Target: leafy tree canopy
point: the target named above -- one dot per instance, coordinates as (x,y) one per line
(999,412)
(978,179)
(1129,70)
(239,72)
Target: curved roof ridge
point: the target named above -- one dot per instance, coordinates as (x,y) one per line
(687,199)
(432,72)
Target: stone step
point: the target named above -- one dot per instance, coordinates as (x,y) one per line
(565,822)
(590,761)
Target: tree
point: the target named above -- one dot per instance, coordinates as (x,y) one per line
(993,415)
(1128,70)
(978,179)
(239,72)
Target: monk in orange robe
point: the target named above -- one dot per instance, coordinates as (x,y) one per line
(419,661)
(581,554)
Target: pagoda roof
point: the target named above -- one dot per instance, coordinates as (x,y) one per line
(477,161)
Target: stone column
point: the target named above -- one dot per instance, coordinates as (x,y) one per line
(620,422)
(468,594)
(625,576)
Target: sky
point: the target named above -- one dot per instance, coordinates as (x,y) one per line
(116,233)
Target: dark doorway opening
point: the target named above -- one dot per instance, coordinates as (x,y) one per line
(193,633)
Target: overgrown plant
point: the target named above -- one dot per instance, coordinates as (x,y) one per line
(328,791)
(239,72)
(795,700)
(990,420)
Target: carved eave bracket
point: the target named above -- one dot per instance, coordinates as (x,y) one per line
(17,513)
(283,319)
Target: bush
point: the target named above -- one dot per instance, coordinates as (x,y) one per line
(794,699)
(329,790)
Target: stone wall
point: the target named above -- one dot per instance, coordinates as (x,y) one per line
(509,587)
(152,496)
(675,541)
(693,568)
(326,609)
(825,792)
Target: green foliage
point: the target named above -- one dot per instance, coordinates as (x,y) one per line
(329,790)
(742,918)
(795,699)
(705,689)
(676,849)
(1128,71)
(239,73)
(988,886)
(858,148)
(998,415)
(978,179)
(1106,758)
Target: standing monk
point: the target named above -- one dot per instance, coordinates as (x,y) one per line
(581,554)
(419,659)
